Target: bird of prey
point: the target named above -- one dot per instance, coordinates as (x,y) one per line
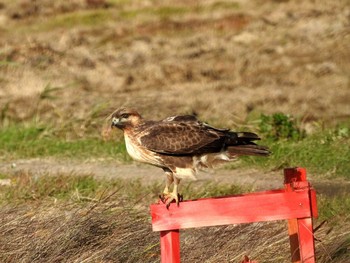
(181,145)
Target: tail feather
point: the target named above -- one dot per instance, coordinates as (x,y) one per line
(248,149)
(250,136)
(234,138)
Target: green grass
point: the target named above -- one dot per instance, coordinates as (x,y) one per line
(336,208)
(67,187)
(3,176)
(118,10)
(161,12)
(324,153)
(31,142)
(166,12)
(77,188)
(26,187)
(82,18)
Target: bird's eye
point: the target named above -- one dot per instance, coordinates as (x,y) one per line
(125,115)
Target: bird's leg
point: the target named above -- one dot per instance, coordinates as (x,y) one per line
(174,195)
(169,180)
(167,197)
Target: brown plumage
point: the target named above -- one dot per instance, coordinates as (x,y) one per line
(181,145)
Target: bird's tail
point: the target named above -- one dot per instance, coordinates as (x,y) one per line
(248,149)
(245,145)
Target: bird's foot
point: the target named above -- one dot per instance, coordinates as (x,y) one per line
(168,198)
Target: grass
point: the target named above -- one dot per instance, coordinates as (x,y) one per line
(71,230)
(85,188)
(106,216)
(27,187)
(166,12)
(117,10)
(83,18)
(336,208)
(325,153)
(79,218)
(316,153)
(99,220)
(161,12)
(30,142)
(75,218)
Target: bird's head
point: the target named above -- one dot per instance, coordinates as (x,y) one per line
(124,118)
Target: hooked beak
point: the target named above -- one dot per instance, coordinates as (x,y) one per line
(116,122)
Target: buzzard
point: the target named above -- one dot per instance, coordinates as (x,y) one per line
(181,145)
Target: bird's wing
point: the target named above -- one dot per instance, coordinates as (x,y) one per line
(182,118)
(187,136)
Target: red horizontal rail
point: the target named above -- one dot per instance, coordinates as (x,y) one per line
(247,208)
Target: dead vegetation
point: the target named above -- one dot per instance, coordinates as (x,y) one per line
(77,219)
(68,64)
(223,61)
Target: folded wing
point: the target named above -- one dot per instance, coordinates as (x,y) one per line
(181,138)
(185,135)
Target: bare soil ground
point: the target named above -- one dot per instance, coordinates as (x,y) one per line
(257,179)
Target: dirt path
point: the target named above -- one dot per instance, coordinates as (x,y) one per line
(260,180)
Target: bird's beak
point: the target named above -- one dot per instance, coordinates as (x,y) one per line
(115,122)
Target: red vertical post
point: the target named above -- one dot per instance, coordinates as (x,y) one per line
(301,230)
(293,233)
(170,246)
(306,240)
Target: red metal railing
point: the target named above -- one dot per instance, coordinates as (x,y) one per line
(295,203)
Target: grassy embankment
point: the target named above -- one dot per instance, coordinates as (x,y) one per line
(325,152)
(106,217)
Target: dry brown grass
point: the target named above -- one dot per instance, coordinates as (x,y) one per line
(223,62)
(108,232)
(76,219)
(70,63)
(113,231)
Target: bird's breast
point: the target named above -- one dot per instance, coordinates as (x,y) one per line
(139,153)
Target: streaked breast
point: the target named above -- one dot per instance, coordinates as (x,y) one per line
(138,153)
